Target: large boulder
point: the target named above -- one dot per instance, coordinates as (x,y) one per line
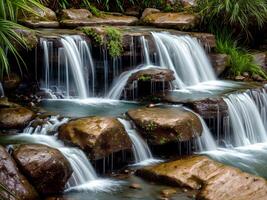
(13,180)
(42,18)
(75,14)
(109,20)
(180,21)
(46,167)
(15,117)
(98,136)
(164,125)
(219,62)
(213,179)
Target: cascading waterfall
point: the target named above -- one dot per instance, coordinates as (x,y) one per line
(75,72)
(246,123)
(2,93)
(145,49)
(186,57)
(84,176)
(142,153)
(116,90)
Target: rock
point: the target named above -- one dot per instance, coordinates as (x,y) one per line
(219,62)
(246,74)
(260,58)
(168,192)
(110,20)
(149,11)
(240,78)
(17,117)
(180,21)
(13,180)
(213,179)
(11,82)
(4,103)
(45,18)
(188,3)
(209,107)
(164,125)
(257,77)
(135,186)
(98,136)
(153,74)
(29,37)
(46,167)
(75,14)
(132,12)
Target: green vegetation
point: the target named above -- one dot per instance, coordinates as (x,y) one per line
(237,15)
(111,37)
(114,41)
(8,26)
(240,60)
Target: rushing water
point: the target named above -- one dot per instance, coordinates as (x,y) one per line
(142,153)
(186,57)
(145,49)
(84,177)
(2,93)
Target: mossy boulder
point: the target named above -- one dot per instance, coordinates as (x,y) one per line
(13,180)
(15,117)
(44,166)
(164,125)
(213,180)
(98,136)
(75,14)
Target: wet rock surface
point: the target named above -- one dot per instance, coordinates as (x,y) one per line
(180,21)
(213,179)
(15,117)
(75,14)
(13,180)
(98,136)
(110,20)
(164,125)
(219,62)
(44,166)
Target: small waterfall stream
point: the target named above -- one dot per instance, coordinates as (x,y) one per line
(84,177)
(142,153)
(2,93)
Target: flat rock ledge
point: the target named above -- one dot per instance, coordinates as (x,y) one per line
(214,180)
(164,125)
(97,136)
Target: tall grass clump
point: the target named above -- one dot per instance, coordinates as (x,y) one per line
(240,59)
(239,15)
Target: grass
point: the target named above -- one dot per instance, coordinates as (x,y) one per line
(240,59)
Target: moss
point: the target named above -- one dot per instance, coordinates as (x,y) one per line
(97,38)
(150,126)
(114,41)
(144,78)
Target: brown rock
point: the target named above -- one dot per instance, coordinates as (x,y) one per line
(110,20)
(46,167)
(215,180)
(4,103)
(135,186)
(240,78)
(180,21)
(98,136)
(149,11)
(11,81)
(75,14)
(219,62)
(168,192)
(17,117)
(163,125)
(13,180)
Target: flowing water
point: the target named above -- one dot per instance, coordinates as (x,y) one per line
(2,93)
(142,153)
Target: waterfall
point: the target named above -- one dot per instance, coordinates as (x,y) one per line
(84,176)
(145,49)
(186,57)
(142,153)
(118,87)
(74,75)
(2,93)
(245,120)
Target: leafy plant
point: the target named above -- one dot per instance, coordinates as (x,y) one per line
(240,60)
(97,37)
(238,15)
(8,27)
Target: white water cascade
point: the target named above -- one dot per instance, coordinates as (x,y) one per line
(2,93)
(74,74)
(84,176)
(245,120)
(142,153)
(145,50)
(186,57)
